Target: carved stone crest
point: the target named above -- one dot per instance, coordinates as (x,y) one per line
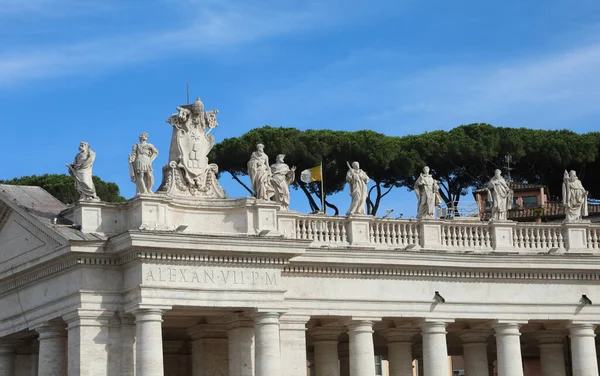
(188,172)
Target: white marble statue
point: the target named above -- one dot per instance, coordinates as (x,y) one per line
(500,195)
(358,181)
(140,165)
(427,190)
(260,174)
(281,178)
(81,170)
(188,172)
(574,197)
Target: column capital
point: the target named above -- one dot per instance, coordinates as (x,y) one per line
(292,321)
(238,320)
(475,336)
(148,314)
(207,331)
(549,337)
(7,346)
(394,335)
(81,317)
(49,330)
(507,328)
(360,325)
(581,329)
(326,333)
(266,318)
(434,326)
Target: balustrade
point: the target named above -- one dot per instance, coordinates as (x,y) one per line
(538,236)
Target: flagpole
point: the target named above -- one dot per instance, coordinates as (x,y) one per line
(322,189)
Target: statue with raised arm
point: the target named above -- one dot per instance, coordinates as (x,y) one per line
(427,190)
(358,180)
(574,197)
(500,195)
(81,170)
(281,178)
(140,165)
(188,172)
(260,174)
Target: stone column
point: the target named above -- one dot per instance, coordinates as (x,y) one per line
(52,359)
(552,356)
(508,345)
(149,344)
(210,349)
(325,340)
(475,352)
(583,349)
(344,355)
(88,343)
(240,335)
(292,330)
(362,351)
(7,357)
(267,352)
(127,346)
(435,350)
(399,343)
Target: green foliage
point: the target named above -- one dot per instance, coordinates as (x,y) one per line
(62,187)
(461,158)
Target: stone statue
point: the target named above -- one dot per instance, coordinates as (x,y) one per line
(427,190)
(260,174)
(574,197)
(140,165)
(188,172)
(281,178)
(500,195)
(81,170)
(358,181)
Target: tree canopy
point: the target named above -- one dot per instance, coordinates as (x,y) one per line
(462,158)
(62,187)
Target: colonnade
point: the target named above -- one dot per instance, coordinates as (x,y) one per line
(268,343)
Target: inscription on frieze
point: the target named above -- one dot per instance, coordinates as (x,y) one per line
(211,276)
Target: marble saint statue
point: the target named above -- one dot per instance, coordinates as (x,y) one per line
(500,195)
(140,165)
(260,174)
(358,181)
(574,197)
(281,178)
(81,170)
(427,190)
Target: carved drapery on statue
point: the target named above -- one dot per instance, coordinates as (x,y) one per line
(500,195)
(188,172)
(574,197)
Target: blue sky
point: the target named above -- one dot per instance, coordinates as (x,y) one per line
(105,70)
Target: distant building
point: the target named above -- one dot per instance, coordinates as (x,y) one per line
(531,202)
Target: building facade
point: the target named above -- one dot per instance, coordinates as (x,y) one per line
(161,285)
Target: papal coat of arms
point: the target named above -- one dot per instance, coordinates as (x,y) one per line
(188,172)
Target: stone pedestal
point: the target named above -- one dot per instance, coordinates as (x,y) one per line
(583,349)
(475,352)
(292,332)
(552,356)
(501,233)
(575,236)
(359,229)
(149,344)
(430,233)
(362,351)
(508,347)
(268,353)
(240,336)
(435,350)
(52,358)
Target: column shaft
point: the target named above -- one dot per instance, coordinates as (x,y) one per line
(508,345)
(583,350)
(326,358)
(52,359)
(127,345)
(400,358)
(476,359)
(149,344)
(344,355)
(435,350)
(552,359)
(292,331)
(88,345)
(267,351)
(7,359)
(362,351)
(241,350)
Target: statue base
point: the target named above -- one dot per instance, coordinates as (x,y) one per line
(176,182)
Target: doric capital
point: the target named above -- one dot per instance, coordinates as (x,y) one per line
(475,336)
(291,321)
(326,333)
(581,329)
(203,331)
(550,337)
(394,335)
(50,330)
(507,328)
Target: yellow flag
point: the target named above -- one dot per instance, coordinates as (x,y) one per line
(312,174)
